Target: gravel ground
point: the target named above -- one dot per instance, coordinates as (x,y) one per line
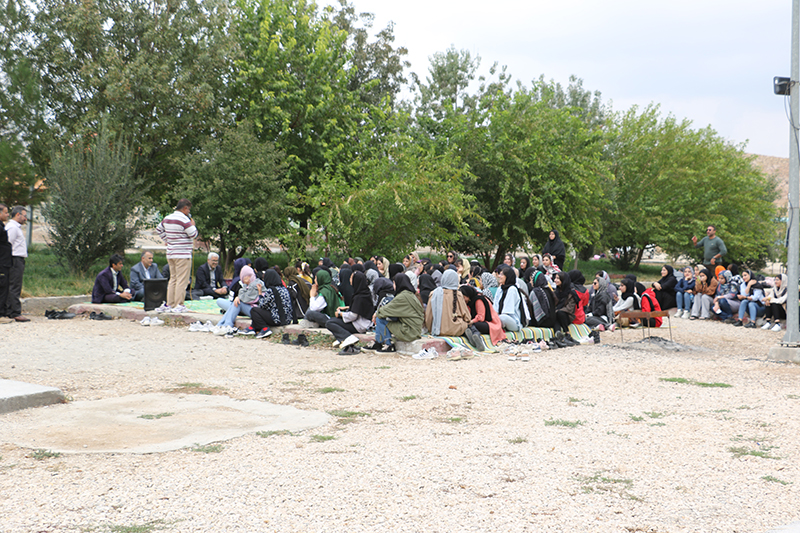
(583,439)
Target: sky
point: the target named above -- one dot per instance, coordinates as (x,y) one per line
(709,61)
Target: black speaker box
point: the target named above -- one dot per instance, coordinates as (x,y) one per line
(155,293)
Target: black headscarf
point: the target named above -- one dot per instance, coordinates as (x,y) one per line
(382,288)
(630,291)
(345,288)
(555,247)
(370,265)
(362,297)
(565,289)
(327,264)
(426,286)
(358,267)
(577,279)
(511,284)
(472,293)
(402,283)
(527,277)
(272,279)
(260,266)
(394,269)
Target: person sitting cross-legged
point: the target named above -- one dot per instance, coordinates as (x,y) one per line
(209,280)
(401,319)
(145,269)
(110,285)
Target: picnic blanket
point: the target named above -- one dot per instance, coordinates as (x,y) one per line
(575,330)
(208,307)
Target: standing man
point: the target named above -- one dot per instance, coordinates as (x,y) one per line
(141,271)
(713,248)
(178,231)
(19,251)
(5,265)
(208,280)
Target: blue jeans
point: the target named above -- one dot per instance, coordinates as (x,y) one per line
(725,308)
(756,309)
(232,312)
(510,323)
(684,300)
(382,333)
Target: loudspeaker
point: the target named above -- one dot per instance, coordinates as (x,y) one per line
(155,293)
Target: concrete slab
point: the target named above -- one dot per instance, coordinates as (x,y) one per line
(37,306)
(172,421)
(16,395)
(794,527)
(784,353)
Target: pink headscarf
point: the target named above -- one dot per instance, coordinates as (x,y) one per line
(247,272)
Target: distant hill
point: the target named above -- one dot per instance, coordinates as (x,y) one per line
(779,168)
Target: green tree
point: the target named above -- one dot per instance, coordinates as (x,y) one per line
(236,186)
(93,197)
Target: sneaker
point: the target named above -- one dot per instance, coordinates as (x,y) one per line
(475,339)
(524,358)
(512,357)
(738,323)
(750,325)
(612,327)
(388,348)
(423,354)
(146,322)
(264,333)
(636,325)
(247,331)
(349,341)
(776,327)
(374,347)
(197,327)
(692,317)
(767,325)
(301,340)
(219,331)
(163,308)
(155,321)
(286,339)
(350,349)
(336,344)
(179,309)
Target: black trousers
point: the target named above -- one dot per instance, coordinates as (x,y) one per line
(3,291)
(13,305)
(482,327)
(563,320)
(775,311)
(340,329)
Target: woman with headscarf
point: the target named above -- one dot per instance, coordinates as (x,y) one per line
(577,280)
(274,307)
(600,313)
(776,304)
(665,288)
(382,264)
(370,265)
(304,271)
(447,313)
(549,266)
(508,301)
(372,276)
(462,269)
(299,290)
(426,287)
(705,288)
(726,303)
(490,285)
(233,288)
(684,293)
(246,298)
(536,261)
(567,302)
(344,285)
(555,247)
(324,299)
(395,269)
(752,299)
(524,264)
(543,301)
(612,289)
(485,319)
(401,319)
(357,318)
(628,299)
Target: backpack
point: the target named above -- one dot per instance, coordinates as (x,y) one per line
(650,303)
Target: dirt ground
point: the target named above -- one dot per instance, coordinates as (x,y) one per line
(617,437)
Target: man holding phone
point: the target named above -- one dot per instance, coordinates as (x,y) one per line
(178,231)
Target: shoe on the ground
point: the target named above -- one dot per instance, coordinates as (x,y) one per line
(155,321)
(264,333)
(750,325)
(301,340)
(179,309)
(349,341)
(767,325)
(776,326)
(100,316)
(195,327)
(388,348)
(512,357)
(163,308)
(525,358)
(738,323)
(636,325)
(246,331)
(219,331)
(559,334)
(336,344)
(692,317)
(729,320)
(350,349)
(286,339)
(475,339)
(146,322)
(569,341)
(49,313)
(374,347)
(426,353)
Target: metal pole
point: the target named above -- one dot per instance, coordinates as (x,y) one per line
(791,340)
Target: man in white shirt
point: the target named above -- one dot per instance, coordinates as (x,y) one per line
(19,251)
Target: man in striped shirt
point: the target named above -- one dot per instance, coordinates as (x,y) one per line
(178,231)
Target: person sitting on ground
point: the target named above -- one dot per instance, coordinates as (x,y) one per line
(536,261)
(542,300)
(395,269)
(110,286)
(665,287)
(612,288)
(567,302)
(344,285)
(627,301)
(382,264)
(209,280)
(426,287)
(304,271)
(354,319)
(705,289)
(726,303)
(462,268)
(246,298)
(776,304)
(400,320)
(299,290)
(324,300)
(509,302)
(524,264)
(684,293)
(485,319)
(447,313)
(577,279)
(274,307)
(600,312)
(556,249)
(752,300)
(550,268)
(236,284)
(145,269)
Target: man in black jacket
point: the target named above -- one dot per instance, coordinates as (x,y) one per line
(5,264)
(209,280)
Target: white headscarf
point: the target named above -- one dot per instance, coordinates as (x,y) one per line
(449,281)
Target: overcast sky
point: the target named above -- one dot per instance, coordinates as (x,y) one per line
(706,60)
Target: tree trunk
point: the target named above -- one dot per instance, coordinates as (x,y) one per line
(639,257)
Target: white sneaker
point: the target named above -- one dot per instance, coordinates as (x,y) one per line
(155,321)
(145,321)
(163,308)
(512,358)
(208,326)
(336,344)
(525,358)
(776,327)
(349,341)
(179,309)
(197,327)
(426,353)
(220,331)
(767,325)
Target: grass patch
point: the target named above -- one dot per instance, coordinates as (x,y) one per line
(657,424)
(454,420)
(741,451)
(636,418)
(155,417)
(196,388)
(384,367)
(209,448)
(600,483)
(654,414)
(793,396)
(273,433)
(331,371)
(408,398)
(138,528)
(41,454)
(321,438)
(623,435)
(563,423)
(328,390)
(773,479)
(697,383)
(347,417)
(575,401)
(517,440)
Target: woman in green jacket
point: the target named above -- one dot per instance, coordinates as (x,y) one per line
(400,319)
